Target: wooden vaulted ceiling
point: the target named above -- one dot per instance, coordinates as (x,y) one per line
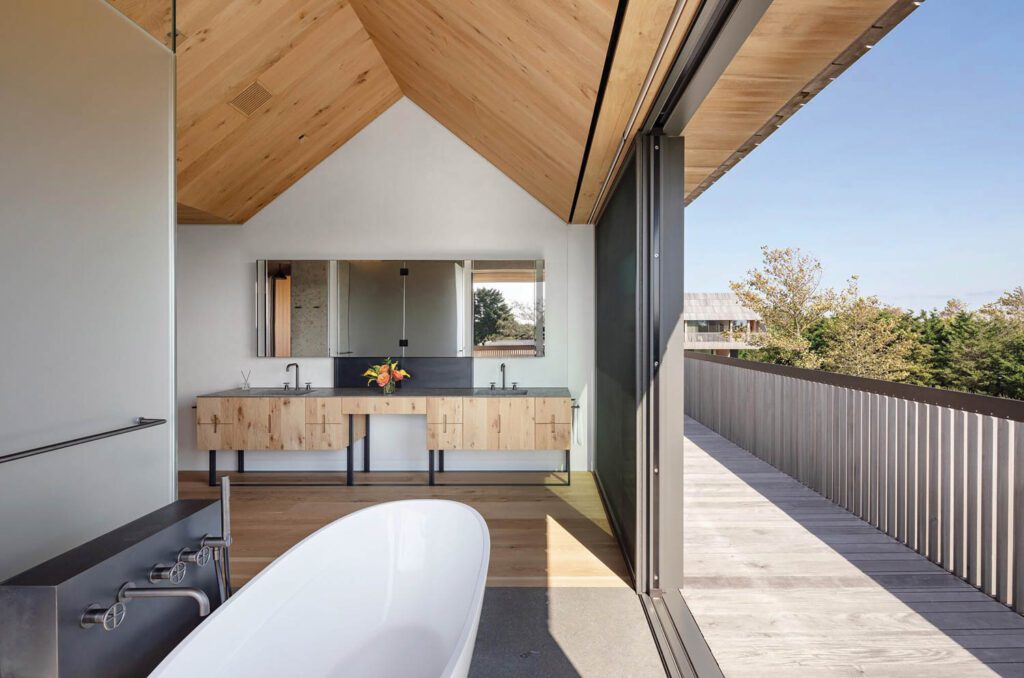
(516,81)
(269,88)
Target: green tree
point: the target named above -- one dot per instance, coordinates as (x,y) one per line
(490,313)
(866,339)
(786,293)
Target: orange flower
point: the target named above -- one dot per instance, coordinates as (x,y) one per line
(383,378)
(400,375)
(384,369)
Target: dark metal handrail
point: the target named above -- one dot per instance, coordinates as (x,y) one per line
(993,406)
(141,423)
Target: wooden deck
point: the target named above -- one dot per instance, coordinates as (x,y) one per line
(540,536)
(785,583)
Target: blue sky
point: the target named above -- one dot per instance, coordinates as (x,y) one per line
(906,170)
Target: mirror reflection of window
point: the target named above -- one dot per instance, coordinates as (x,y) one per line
(508,309)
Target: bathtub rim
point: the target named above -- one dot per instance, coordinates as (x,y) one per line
(468,624)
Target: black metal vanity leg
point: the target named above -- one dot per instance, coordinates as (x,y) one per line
(213,468)
(430,472)
(349,452)
(241,460)
(568,467)
(440,461)
(366,446)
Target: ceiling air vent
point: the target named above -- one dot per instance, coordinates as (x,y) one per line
(251,98)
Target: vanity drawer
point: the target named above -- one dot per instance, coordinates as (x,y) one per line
(553,436)
(325,410)
(444,409)
(444,436)
(554,410)
(324,436)
(215,410)
(395,404)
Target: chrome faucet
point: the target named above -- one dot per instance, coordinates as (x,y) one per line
(132,592)
(289,369)
(503,376)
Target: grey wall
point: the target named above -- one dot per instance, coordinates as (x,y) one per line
(86,252)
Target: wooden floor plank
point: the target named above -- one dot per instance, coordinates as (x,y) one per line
(783,582)
(540,536)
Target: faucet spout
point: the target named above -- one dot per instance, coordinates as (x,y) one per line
(503,376)
(132,592)
(289,369)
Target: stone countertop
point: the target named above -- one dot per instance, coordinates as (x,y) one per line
(408,392)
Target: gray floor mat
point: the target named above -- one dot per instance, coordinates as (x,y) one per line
(564,632)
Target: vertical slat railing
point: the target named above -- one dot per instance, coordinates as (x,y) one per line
(947,482)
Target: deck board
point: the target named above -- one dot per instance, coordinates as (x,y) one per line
(783,582)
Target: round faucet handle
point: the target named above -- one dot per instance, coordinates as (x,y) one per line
(309,386)
(109,617)
(173,573)
(287,384)
(515,385)
(492,385)
(200,557)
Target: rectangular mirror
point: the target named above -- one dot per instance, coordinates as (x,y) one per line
(508,309)
(410,308)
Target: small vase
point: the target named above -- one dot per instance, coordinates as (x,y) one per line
(389,388)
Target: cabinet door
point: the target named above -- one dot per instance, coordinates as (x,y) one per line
(553,436)
(444,409)
(516,424)
(444,436)
(287,424)
(480,423)
(252,423)
(324,436)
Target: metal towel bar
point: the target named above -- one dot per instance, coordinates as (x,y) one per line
(141,423)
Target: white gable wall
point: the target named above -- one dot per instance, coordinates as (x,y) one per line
(403,188)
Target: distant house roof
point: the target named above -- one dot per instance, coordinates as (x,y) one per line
(715,306)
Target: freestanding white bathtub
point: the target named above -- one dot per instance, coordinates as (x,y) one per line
(393,590)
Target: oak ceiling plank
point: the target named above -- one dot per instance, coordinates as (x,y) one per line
(153,16)
(643,27)
(319,83)
(638,45)
(325,80)
(516,81)
(375,91)
(310,118)
(221,59)
(792,44)
(310,49)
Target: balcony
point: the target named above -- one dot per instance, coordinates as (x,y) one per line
(840,526)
